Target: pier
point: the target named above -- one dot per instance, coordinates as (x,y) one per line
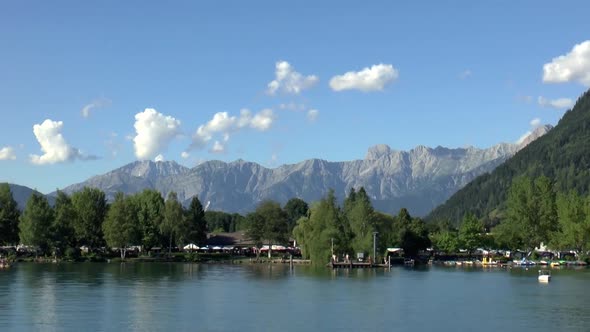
(355,265)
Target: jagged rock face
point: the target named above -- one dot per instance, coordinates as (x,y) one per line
(418,179)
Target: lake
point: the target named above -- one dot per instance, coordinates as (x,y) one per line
(192,297)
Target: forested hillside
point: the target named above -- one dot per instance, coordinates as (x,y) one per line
(562,155)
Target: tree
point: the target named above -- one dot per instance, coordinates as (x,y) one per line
(173,222)
(270,223)
(324,232)
(121,227)
(409,233)
(91,207)
(545,204)
(295,209)
(471,233)
(360,215)
(62,232)
(196,222)
(218,222)
(150,214)
(446,241)
(574,228)
(531,211)
(35,222)
(9,215)
(255,230)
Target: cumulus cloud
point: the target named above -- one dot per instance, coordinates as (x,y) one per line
(223,125)
(559,103)
(572,67)
(312,115)
(262,120)
(159,158)
(53,144)
(7,153)
(184,155)
(535,122)
(217,147)
(368,79)
(287,80)
(154,131)
(97,103)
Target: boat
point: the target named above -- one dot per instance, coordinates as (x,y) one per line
(409,262)
(555,264)
(544,276)
(523,262)
(488,261)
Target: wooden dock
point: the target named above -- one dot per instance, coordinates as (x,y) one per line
(355,265)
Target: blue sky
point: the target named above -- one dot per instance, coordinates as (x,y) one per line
(120,81)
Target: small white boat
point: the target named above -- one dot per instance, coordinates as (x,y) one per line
(544,276)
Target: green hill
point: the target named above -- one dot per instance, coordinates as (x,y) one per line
(563,155)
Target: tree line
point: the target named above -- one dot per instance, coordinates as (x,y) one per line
(349,229)
(144,219)
(86,219)
(536,214)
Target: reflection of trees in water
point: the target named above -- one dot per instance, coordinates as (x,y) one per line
(268,271)
(8,278)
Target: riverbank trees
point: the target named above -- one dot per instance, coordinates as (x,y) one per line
(330,229)
(9,216)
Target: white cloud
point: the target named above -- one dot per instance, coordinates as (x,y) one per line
(368,79)
(159,158)
(184,155)
(535,122)
(262,120)
(98,103)
(223,125)
(574,66)
(53,144)
(292,107)
(7,153)
(217,147)
(465,74)
(289,81)
(154,131)
(559,103)
(312,115)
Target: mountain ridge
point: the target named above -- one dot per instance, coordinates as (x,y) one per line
(418,179)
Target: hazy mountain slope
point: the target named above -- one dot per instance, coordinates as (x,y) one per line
(21,195)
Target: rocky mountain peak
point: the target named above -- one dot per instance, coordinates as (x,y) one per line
(538,132)
(378,151)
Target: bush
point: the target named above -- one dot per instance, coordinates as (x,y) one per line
(72,254)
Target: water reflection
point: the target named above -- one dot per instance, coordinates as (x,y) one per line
(178,296)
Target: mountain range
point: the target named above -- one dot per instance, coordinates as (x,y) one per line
(419,179)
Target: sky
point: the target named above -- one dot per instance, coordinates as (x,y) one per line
(87,87)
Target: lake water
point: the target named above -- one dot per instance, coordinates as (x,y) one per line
(190,297)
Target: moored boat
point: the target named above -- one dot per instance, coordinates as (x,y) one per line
(544,276)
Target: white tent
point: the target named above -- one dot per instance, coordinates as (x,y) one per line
(191,246)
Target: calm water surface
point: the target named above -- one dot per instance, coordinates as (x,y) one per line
(189,297)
